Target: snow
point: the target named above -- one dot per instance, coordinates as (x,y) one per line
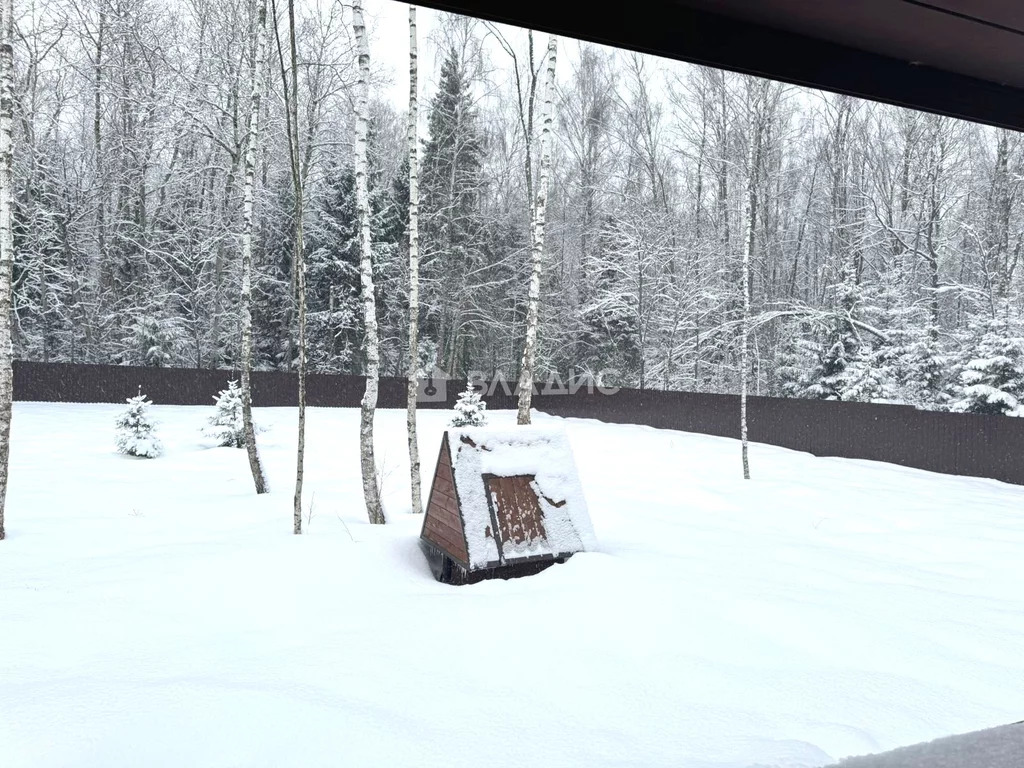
(155,613)
(990,394)
(522,450)
(1001,747)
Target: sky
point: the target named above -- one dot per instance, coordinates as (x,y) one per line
(389,41)
(388,21)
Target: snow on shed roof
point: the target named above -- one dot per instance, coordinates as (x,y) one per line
(541,452)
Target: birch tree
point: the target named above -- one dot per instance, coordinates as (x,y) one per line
(290,88)
(414,268)
(6,240)
(368,406)
(749,209)
(131,133)
(255,69)
(526,375)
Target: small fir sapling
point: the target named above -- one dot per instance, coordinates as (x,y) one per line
(136,430)
(226,426)
(469,410)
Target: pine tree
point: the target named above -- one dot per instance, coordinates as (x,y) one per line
(922,369)
(838,347)
(451,223)
(469,409)
(227,426)
(454,150)
(136,430)
(868,377)
(333,287)
(153,340)
(993,379)
(792,363)
(332,279)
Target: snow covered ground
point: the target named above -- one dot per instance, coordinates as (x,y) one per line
(156,613)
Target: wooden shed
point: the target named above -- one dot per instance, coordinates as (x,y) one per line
(503,503)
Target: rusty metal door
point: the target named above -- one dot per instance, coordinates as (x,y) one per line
(516,515)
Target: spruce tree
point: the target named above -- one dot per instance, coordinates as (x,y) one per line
(469,409)
(838,346)
(924,370)
(136,430)
(332,277)
(153,340)
(992,381)
(868,376)
(452,228)
(454,149)
(332,263)
(793,361)
(226,425)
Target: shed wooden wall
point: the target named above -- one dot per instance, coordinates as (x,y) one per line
(442,525)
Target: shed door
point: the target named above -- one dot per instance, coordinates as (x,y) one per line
(515,511)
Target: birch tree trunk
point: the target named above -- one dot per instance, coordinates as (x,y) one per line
(99,166)
(526,375)
(259,53)
(749,209)
(371,493)
(6,240)
(414,268)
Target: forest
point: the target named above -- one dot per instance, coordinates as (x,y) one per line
(860,251)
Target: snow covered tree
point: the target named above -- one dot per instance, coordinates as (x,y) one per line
(371,345)
(248,436)
(868,377)
(412,374)
(922,368)
(153,342)
(537,225)
(136,430)
(227,425)
(793,361)
(755,120)
(135,161)
(838,346)
(290,89)
(6,240)
(452,226)
(469,409)
(332,281)
(993,380)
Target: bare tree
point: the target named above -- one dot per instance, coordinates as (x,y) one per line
(131,131)
(291,95)
(371,493)
(526,374)
(6,240)
(256,67)
(749,209)
(97,137)
(414,268)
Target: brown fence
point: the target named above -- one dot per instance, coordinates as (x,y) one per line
(960,444)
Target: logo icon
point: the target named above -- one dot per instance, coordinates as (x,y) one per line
(433,388)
